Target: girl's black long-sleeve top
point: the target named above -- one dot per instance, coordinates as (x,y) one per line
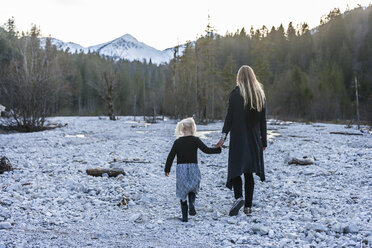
(186,149)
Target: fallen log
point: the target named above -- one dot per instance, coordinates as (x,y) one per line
(303,161)
(129,161)
(98,172)
(346,133)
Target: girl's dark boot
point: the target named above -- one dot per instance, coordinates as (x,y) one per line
(192,197)
(184,209)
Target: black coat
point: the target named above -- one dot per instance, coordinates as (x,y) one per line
(247,129)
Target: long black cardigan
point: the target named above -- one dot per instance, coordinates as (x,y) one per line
(248,136)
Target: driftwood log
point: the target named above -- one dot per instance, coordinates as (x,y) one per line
(5,165)
(346,133)
(301,161)
(98,172)
(129,161)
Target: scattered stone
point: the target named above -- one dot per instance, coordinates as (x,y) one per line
(5,225)
(351,228)
(5,213)
(320,236)
(271,234)
(338,228)
(216,215)
(242,240)
(232,220)
(260,229)
(119,177)
(310,237)
(319,227)
(292,236)
(136,218)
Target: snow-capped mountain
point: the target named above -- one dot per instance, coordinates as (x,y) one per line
(124,47)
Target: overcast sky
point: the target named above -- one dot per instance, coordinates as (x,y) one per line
(160,23)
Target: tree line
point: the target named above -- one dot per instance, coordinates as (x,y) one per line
(307,74)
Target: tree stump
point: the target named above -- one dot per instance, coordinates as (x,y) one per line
(98,172)
(5,165)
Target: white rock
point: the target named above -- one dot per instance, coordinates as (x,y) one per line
(320,236)
(287,158)
(310,237)
(318,227)
(292,235)
(242,240)
(119,177)
(232,220)
(216,215)
(338,228)
(351,228)
(5,225)
(271,233)
(136,217)
(260,229)
(4,212)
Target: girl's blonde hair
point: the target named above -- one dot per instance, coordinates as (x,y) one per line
(250,89)
(187,124)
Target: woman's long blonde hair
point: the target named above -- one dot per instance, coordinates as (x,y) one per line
(250,89)
(187,124)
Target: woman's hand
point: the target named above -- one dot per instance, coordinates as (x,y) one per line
(264,148)
(220,143)
(166,174)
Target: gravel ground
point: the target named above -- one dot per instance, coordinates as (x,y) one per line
(50,201)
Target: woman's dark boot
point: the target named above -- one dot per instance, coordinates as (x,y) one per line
(192,197)
(184,209)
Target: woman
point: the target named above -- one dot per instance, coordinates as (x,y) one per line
(246,122)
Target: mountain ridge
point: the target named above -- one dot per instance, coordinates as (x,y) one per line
(124,47)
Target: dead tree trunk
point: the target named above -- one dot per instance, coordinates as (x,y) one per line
(110,101)
(134,107)
(357,101)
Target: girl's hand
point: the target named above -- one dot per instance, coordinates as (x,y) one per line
(264,148)
(220,143)
(166,174)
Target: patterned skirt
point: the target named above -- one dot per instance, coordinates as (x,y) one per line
(188,180)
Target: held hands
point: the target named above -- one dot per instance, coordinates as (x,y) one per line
(220,143)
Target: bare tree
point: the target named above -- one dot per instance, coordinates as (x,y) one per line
(32,80)
(106,82)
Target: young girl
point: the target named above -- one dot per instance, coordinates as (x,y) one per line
(187,173)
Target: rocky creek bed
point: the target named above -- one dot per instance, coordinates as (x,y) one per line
(48,200)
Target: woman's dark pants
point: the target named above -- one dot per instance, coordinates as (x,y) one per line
(248,188)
